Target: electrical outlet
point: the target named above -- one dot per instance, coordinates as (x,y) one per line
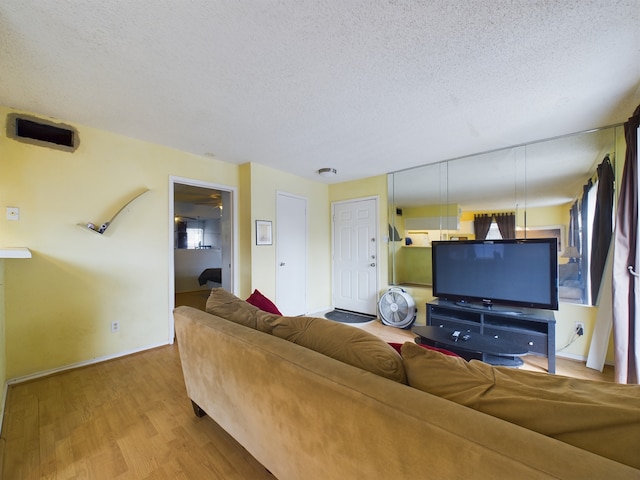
(579,328)
(115,327)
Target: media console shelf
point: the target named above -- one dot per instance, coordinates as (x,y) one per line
(530,328)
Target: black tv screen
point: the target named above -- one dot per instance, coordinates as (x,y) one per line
(510,272)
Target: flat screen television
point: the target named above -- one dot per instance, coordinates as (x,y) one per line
(518,272)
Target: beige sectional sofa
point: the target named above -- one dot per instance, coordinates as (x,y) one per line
(314,399)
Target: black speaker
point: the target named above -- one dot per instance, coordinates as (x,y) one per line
(45,133)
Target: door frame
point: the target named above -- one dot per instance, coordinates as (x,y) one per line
(376,199)
(234,239)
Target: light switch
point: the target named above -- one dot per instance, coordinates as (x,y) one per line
(13,213)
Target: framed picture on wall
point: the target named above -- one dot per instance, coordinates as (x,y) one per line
(264,233)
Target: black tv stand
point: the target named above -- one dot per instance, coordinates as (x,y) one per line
(495,351)
(531,328)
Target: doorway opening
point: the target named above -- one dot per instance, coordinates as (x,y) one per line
(202,253)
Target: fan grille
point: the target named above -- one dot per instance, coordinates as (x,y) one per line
(395,309)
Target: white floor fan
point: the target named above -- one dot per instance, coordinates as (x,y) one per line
(396,308)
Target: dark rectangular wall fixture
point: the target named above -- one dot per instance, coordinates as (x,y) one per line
(40,132)
(45,133)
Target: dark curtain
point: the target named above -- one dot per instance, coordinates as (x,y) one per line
(182,234)
(626,328)
(602,225)
(481,225)
(506,224)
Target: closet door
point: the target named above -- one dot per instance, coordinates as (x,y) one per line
(291,254)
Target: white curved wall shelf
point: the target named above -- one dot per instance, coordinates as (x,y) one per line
(100,229)
(15,252)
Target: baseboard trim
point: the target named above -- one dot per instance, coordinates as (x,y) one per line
(572,356)
(85,363)
(579,358)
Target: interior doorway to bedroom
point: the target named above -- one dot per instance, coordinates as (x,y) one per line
(202,240)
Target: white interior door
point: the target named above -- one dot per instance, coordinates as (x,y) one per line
(355,255)
(291,254)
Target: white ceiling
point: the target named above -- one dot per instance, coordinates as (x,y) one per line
(365,86)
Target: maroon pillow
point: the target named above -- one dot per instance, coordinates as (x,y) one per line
(258,300)
(397,347)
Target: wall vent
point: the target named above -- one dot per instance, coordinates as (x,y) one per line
(40,132)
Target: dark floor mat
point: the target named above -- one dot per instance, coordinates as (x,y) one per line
(344,316)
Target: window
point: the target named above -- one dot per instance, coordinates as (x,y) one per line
(195,237)
(494,232)
(588,232)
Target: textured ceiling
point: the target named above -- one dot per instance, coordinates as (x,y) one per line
(367,87)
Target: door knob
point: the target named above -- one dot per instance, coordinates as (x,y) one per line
(372,265)
(282,264)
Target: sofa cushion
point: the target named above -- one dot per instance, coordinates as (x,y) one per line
(596,416)
(346,343)
(226,305)
(342,342)
(257,299)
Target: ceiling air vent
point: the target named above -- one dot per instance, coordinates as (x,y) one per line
(39,132)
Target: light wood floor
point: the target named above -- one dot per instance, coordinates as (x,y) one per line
(127,418)
(130,418)
(197,299)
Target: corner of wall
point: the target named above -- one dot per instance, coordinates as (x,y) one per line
(244,230)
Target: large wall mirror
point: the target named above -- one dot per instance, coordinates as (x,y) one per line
(539,183)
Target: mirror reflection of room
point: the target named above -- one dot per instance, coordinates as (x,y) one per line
(509,193)
(201,238)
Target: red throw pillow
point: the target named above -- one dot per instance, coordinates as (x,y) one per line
(258,300)
(397,347)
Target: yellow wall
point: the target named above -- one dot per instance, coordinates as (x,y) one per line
(431,211)
(244,232)
(546,216)
(265,184)
(3,359)
(59,304)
